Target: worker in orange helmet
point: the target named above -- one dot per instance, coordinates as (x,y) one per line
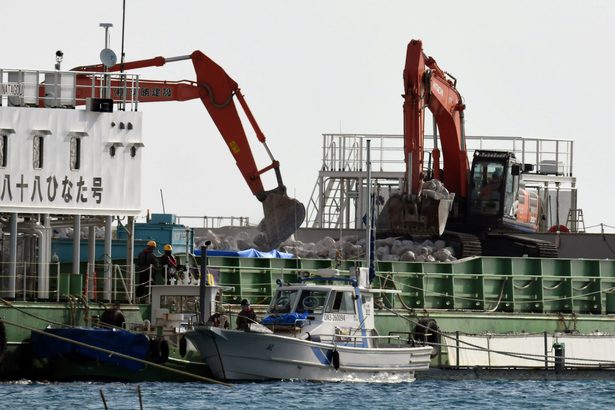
(146,261)
(168,262)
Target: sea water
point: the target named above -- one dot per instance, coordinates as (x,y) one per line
(474,394)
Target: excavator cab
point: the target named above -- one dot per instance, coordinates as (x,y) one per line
(493,199)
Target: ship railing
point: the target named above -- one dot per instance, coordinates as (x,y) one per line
(67,89)
(30,280)
(348,152)
(357,339)
(34,281)
(210,222)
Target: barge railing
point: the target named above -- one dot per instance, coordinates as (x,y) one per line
(479,284)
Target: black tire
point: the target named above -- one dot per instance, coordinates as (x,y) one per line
(113,317)
(158,351)
(335,359)
(183,346)
(163,351)
(3,342)
(427,333)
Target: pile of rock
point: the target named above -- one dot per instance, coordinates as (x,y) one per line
(389,249)
(348,248)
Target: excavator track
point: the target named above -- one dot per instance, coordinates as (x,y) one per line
(465,244)
(498,244)
(505,244)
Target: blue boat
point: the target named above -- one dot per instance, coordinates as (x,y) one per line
(117,340)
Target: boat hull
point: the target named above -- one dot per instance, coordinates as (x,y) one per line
(236,355)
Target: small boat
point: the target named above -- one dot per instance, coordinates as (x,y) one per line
(320,329)
(121,341)
(95,353)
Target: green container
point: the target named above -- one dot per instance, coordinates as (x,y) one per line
(76,284)
(64,286)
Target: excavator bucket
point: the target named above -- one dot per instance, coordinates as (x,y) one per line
(403,214)
(283,216)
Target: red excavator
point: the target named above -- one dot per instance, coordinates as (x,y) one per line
(486,213)
(217,90)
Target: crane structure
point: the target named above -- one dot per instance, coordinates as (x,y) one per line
(217,91)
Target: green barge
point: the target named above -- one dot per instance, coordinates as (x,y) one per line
(477,296)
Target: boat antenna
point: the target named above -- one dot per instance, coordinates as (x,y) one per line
(203,281)
(123,25)
(162,199)
(369,216)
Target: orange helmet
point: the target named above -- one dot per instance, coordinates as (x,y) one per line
(168,247)
(151,244)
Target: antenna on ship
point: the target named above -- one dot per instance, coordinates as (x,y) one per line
(369,245)
(59,58)
(122,54)
(107,58)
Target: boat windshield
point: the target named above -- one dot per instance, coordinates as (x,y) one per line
(283,301)
(312,301)
(299,301)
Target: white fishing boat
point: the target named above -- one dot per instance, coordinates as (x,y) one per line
(320,329)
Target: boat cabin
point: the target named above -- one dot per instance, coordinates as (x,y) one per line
(326,307)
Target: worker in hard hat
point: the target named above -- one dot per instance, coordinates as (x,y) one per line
(148,266)
(168,263)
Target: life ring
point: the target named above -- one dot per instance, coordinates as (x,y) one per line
(427,333)
(3,342)
(561,228)
(158,351)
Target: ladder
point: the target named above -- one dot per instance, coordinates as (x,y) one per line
(575,220)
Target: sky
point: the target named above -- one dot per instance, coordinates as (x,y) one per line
(524,68)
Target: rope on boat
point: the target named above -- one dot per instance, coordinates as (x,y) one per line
(112,353)
(9,304)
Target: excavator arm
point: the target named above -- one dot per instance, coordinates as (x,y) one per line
(415,210)
(427,86)
(218,92)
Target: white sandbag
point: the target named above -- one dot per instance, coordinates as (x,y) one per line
(324,245)
(407,256)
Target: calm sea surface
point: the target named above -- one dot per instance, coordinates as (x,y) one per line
(295,395)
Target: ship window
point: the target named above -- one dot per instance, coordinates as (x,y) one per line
(312,301)
(283,301)
(179,304)
(341,302)
(38,151)
(511,186)
(485,196)
(75,153)
(4,142)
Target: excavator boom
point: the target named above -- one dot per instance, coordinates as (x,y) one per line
(217,91)
(421,208)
